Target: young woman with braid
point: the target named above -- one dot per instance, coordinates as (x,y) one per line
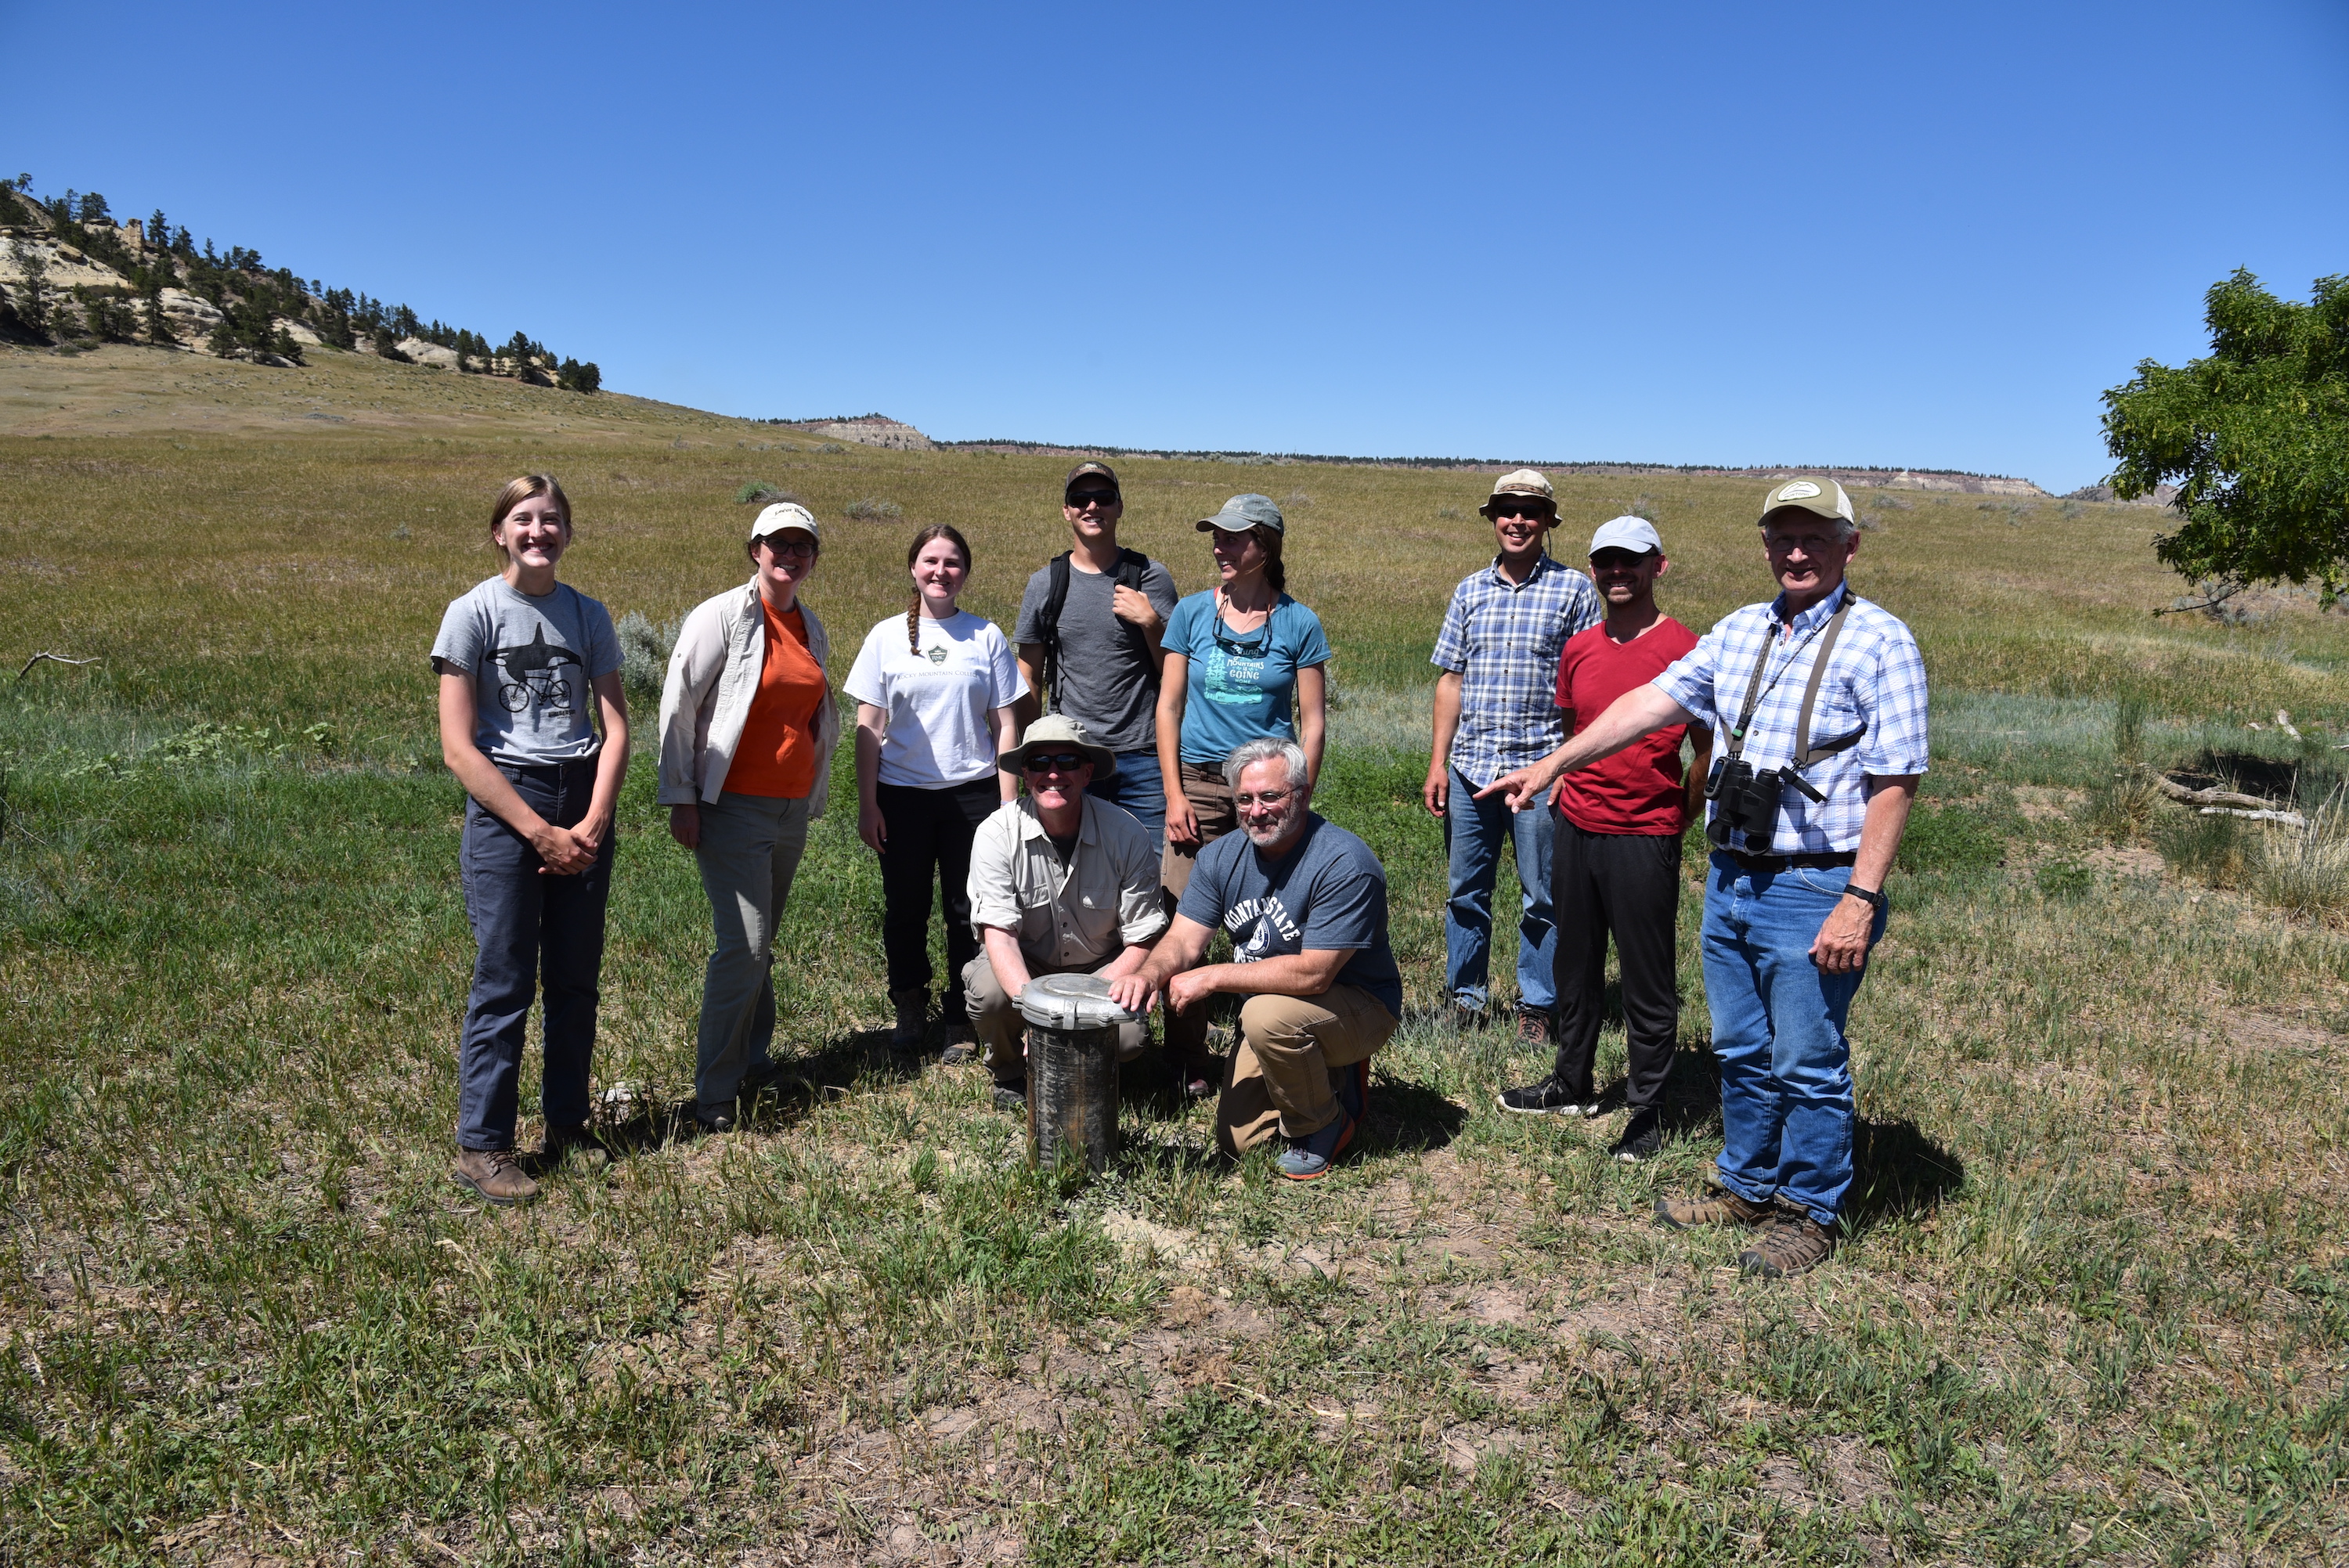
(933,690)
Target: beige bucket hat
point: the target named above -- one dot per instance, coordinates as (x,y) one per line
(1058,729)
(1521,482)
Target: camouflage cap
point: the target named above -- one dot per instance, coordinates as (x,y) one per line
(1520,482)
(1821,496)
(1089,470)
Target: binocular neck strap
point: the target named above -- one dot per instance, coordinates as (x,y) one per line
(1754,689)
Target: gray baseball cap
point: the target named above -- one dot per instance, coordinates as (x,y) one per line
(1243,512)
(1636,534)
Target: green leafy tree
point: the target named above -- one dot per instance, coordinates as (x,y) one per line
(2255,436)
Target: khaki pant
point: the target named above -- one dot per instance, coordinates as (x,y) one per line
(995,1019)
(1211,802)
(1289,1048)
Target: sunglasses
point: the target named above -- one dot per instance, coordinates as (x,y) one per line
(1080,500)
(1056,762)
(791,546)
(1608,559)
(1512,506)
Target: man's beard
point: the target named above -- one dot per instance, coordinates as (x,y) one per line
(1273,832)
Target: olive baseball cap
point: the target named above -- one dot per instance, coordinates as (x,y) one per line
(1058,729)
(786,515)
(1521,482)
(1243,512)
(1089,470)
(1821,496)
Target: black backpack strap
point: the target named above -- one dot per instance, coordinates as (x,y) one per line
(1047,624)
(1130,565)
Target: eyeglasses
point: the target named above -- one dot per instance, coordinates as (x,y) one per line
(1808,543)
(1520,506)
(1057,762)
(791,546)
(1612,559)
(1268,798)
(1080,500)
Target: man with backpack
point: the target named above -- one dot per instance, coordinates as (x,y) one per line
(1087,637)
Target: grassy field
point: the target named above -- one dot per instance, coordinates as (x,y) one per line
(2094,1307)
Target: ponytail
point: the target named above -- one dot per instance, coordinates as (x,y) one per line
(1274,573)
(913,552)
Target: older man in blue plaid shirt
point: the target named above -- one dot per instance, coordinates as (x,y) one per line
(1818,697)
(1497,709)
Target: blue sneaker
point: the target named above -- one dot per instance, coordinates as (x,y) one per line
(1308,1159)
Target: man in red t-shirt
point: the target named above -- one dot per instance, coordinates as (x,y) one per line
(1615,860)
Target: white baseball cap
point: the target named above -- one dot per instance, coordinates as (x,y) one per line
(1636,534)
(785,515)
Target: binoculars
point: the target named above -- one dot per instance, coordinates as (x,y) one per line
(1745,800)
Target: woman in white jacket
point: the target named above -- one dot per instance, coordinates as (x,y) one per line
(748,725)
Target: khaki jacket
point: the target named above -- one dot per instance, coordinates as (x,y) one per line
(713,674)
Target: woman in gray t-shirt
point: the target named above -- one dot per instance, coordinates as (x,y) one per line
(520,656)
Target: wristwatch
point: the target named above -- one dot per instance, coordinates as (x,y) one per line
(1871,896)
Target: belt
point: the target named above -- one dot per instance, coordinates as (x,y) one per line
(553,771)
(1789,863)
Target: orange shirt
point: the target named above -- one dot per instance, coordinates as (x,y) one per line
(777,757)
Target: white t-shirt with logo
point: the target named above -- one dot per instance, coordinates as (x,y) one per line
(938,699)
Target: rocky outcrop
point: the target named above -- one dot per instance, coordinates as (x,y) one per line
(420,352)
(299,331)
(870,430)
(68,267)
(2162,495)
(192,316)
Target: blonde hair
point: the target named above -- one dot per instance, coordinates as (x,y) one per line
(528,488)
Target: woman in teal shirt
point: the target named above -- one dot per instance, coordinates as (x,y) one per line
(1238,657)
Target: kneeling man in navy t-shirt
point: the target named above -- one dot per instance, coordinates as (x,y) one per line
(1305,903)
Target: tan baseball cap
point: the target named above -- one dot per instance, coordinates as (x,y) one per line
(784,515)
(1821,496)
(1521,481)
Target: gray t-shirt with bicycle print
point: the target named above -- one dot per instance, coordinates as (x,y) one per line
(532,660)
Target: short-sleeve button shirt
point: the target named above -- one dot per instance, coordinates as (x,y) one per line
(1068,914)
(1874,682)
(1503,639)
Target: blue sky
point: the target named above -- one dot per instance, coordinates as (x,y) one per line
(1732,234)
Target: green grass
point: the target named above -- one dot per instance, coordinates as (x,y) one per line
(2094,1307)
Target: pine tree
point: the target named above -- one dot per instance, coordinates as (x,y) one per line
(159,327)
(31,298)
(93,208)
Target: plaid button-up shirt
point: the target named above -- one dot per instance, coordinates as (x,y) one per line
(1874,677)
(1502,639)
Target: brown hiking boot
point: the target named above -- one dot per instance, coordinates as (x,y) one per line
(1536,1027)
(1717,1207)
(1795,1243)
(495,1175)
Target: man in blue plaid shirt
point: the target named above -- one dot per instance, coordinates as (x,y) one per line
(1497,709)
(1804,821)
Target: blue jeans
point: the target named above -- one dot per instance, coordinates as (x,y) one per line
(1137,787)
(1473,830)
(1777,1028)
(533,931)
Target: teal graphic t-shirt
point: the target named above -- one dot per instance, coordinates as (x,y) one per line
(1240,688)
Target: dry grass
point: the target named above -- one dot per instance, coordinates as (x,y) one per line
(2095,1306)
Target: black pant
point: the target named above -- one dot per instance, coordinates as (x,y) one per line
(1629,884)
(929,830)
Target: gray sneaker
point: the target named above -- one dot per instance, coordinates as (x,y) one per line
(496,1175)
